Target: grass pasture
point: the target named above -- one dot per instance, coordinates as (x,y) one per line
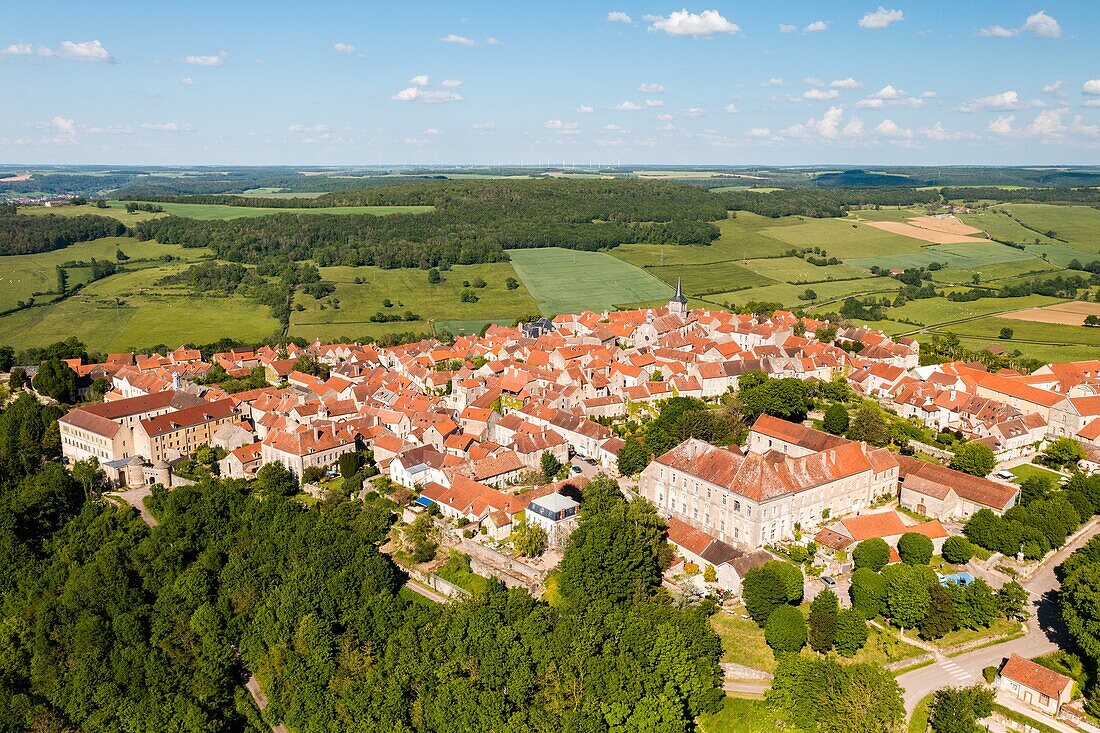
(739,715)
(706,278)
(797,270)
(1065,314)
(1079,226)
(115,209)
(958,256)
(566,281)
(409,290)
(934,311)
(843,238)
(1025,333)
(1000,226)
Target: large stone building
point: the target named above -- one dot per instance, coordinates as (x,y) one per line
(105,430)
(792,477)
(172,435)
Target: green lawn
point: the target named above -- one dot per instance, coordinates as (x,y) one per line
(457,570)
(567,281)
(1026,470)
(1000,627)
(885,647)
(918,723)
(408,289)
(742,640)
(745,716)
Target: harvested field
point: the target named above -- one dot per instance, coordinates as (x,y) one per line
(946,224)
(925,235)
(1064,314)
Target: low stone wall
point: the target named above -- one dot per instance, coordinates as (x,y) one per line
(438,584)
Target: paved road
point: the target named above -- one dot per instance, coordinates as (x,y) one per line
(136,499)
(421,589)
(1045,634)
(258,696)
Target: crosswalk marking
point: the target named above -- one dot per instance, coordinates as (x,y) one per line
(955,671)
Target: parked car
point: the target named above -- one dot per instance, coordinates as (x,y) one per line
(1006,475)
(828,580)
(574,469)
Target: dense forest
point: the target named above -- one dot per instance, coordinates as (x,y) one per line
(21,235)
(107,624)
(822,203)
(1062,195)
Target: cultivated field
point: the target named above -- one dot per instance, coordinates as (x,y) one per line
(944,223)
(565,281)
(797,270)
(925,235)
(1066,314)
(1078,226)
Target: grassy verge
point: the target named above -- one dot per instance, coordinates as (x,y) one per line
(998,629)
(739,715)
(457,570)
(919,722)
(742,640)
(1021,718)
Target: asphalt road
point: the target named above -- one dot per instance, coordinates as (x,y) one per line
(1045,634)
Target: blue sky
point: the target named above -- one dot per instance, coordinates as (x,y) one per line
(791,83)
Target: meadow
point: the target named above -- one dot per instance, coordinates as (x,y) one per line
(566,281)
(1078,226)
(439,305)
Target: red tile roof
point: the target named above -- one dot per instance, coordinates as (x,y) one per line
(1035,676)
(940,479)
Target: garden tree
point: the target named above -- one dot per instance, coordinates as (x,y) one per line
(763,591)
(958,709)
(873,553)
(7,358)
(90,476)
(791,575)
(55,379)
(1060,452)
(915,549)
(632,457)
(18,379)
(940,619)
(1079,598)
(973,458)
(783,398)
(823,619)
(613,553)
(868,425)
(710,575)
(349,464)
(975,604)
(550,465)
(868,592)
(785,630)
(434,277)
(1035,487)
(957,550)
(820,694)
(1012,600)
(28,436)
(273,479)
(836,419)
(420,537)
(601,495)
(851,631)
(529,540)
(309,364)
(907,593)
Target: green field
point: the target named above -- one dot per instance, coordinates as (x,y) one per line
(1024,331)
(958,256)
(130,311)
(788,294)
(843,238)
(567,281)
(23,275)
(1000,226)
(933,311)
(115,209)
(699,279)
(1079,226)
(739,715)
(798,270)
(740,238)
(220,211)
(410,290)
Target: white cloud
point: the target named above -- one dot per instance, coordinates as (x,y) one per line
(881,18)
(214,61)
(776,81)
(731,108)
(341,47)
(420,80)
(759,132)
(164,127)
(870,104)
(683,23)
(451,83)
(416,94)
(848,83)
(1042,25)
(618,16)
(827,127)
(1004,100)
(1002,125)
(664,117)
(585,109)
(816,27)
(432,131)
(460,40)
(888,92)
(937,132)
(1055,87)
(854,128)
(628,106)
(187,81)
(85,51)
(1091,87)
(1047,124)
(997,31)
(812,81)
(64,126)
(650,88)
(490,41)
(695,112)
(562,128)
(111,130)
(821,94)
(484,126)
(308,128)
(785,28)
(20,49)
(1081,128)
(654,103)
(889,128)
(1091,103)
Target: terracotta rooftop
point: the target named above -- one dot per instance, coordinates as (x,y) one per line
(1035,676)
(934,477)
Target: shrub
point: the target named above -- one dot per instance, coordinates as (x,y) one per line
(763,591)
(957,550)
(691,568)
(785,630)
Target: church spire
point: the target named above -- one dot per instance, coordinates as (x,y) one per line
(678,304)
